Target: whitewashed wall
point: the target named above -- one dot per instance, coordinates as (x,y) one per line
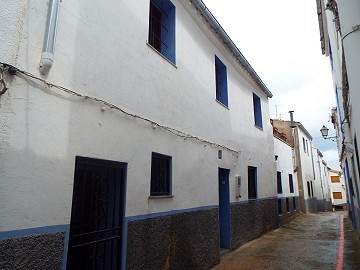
(338,187)
(306,162)
(284,164)
(101,51)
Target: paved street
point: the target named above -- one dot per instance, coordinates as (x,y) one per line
(310,241)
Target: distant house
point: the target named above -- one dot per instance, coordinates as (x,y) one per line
(307,162)
(338,190)
(286,178)
(340,40)
(322,187)
(143,140)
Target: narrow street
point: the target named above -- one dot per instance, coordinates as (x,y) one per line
(310,241)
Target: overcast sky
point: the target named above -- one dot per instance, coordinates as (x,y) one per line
(281,41)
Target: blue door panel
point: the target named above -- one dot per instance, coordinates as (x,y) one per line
(224,208)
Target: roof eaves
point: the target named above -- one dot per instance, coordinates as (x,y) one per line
(215,25)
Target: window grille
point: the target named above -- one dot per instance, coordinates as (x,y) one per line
(160,175)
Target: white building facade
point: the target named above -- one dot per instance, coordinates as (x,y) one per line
(143,142)
(321,182)
(338,190)
(311,177)
(339,23)
(287,184)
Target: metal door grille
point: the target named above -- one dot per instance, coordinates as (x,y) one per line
(97,215)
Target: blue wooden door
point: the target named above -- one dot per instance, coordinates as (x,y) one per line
(224,208)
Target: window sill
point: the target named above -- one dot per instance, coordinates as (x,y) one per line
(252,200)
(219,102)
(259,127)
(163,56)
(161,197)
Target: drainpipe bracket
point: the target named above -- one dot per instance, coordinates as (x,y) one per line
(46,62)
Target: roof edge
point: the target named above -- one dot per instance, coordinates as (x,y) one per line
(209,17)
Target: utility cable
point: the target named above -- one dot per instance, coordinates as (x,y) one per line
(15,71)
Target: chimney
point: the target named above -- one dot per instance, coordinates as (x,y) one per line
(292,124)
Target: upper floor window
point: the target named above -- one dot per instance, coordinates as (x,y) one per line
(291,183)
(162,28)
(252,182)
(257,111)
(335,179)
(160,175)
(279,184)
(221,82)
(307,147)
(304,144)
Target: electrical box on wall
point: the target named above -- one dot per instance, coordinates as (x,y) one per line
(238,186)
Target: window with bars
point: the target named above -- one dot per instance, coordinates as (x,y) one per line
(252,182)
(291,183)
(162,28)
(257,111)
(160,175)
(279,184)
(221,82)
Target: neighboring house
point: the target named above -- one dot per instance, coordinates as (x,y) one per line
(322,189)
(287,184)
(305,155)
(338,190)
(144,141)
(339,27)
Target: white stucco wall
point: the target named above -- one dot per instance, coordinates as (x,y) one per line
(338,187)
(12,15)
(307,168)
(101,51)
(284,164)
(350,40)
(349,14)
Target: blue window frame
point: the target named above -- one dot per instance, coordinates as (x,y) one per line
(162,28)
(291,183)
(160,175)
(279,184)
(252,182)
(221,82)
(257,111)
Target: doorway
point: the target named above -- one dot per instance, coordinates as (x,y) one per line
(224,208)
(97,214)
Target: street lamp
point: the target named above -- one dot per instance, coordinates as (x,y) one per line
(325,132)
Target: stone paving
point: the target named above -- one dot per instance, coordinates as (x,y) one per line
(308,242)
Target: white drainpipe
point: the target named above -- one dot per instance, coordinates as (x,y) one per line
(47,57)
